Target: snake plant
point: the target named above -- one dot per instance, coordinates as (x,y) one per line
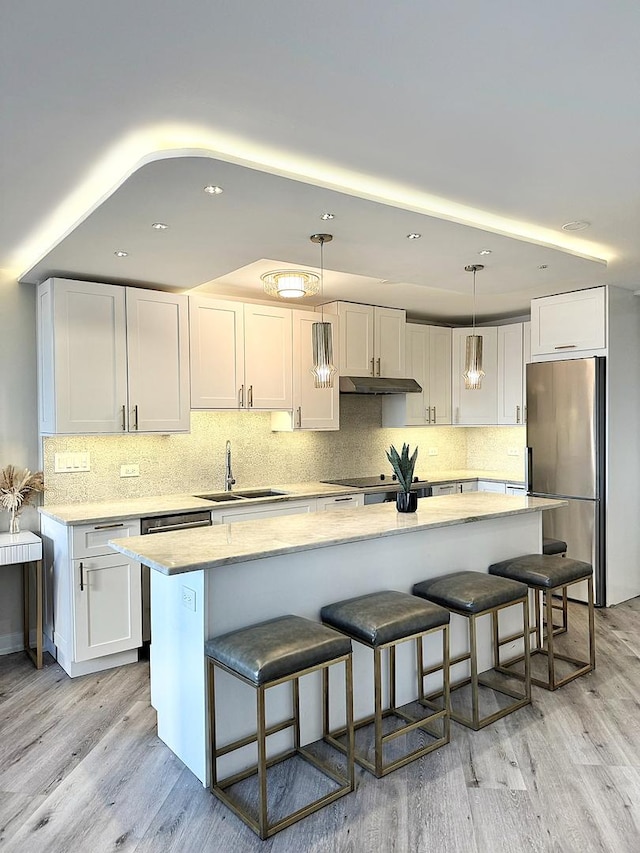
(403,465)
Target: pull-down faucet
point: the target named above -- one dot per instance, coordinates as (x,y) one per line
(228,475)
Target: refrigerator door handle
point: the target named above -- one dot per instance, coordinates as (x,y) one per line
(529,471)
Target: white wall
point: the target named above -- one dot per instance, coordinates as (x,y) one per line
(18,429)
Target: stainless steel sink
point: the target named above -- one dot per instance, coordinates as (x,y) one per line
(243,495)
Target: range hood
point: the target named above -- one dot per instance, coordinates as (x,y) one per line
(377,385)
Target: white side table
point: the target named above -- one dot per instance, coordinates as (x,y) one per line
(26,548)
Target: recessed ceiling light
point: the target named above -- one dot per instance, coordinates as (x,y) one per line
(159,226)
(413,236)
(576,225)
(213,190)
(326,216)
(484,252)
(543,267)
(120,254)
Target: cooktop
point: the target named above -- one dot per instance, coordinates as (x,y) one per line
(367,482)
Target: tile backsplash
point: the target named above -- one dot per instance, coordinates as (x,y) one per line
(195,462)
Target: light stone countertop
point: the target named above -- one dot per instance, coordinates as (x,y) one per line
(104,511)
(223,544)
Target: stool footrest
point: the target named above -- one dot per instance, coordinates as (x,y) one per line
(249,739)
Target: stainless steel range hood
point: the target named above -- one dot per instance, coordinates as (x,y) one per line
(377,385)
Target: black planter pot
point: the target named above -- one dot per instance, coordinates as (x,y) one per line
(407,501)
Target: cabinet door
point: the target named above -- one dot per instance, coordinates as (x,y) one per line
(439,375)
(510,362)
(314,408)
(569,322)
(526,359)
(479,407)
(491,486)
(82,357)
(467,487)
(107,603)
(356,356)
(444,489)
(216,341)
(417,367)
(389,342)
(268,357)
(158,356)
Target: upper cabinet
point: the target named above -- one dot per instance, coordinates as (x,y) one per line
(569,324)
(428,361)
(480,406)
(111,359)
(510,374)
(372,340)
(241,355)
(313,408)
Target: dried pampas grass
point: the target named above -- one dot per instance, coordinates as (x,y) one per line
(19,487)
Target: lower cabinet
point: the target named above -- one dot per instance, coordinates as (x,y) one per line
(255,513)
(93,596)
(491,486)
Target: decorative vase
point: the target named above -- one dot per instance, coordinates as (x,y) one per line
(407,501)
(14,522)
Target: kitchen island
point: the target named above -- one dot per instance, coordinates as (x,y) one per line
(212,580)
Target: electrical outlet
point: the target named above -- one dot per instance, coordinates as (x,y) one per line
(433,451)
(188,598)
(71,462)
(130,470)
(513,451)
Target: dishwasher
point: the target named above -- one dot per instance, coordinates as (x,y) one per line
(163,524)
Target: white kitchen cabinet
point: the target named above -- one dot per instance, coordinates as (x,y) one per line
(526,359)
(477,407)
(229,514)
(111,359)
(313,408)
(241,355)
(510,373)
(444,489)
(569,324)
(467,487)
(519,491)
(491,486)
(372,340)
(340,502)
(93,612)
(428,361)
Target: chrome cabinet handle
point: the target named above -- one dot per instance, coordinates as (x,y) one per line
(373,373)
(457,414)
(435,420)
(164,528)
(124,418)
(299,417)
(427,414)
(107,526)
(566,346)
(524,420)
(81,578)
(337,500)
(379,374)
(135,416)
(517,414)
(250,396)
(241,396)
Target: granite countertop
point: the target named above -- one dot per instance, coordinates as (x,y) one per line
(104,511)
(223,544)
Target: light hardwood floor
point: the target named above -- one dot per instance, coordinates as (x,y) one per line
(81,769)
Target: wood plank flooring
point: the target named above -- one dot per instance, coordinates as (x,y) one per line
(81,769)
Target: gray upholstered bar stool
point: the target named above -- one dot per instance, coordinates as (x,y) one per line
(550,575)
(263,656)
(382,620)
(472,595)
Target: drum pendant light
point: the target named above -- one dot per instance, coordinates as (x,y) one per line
(473,372)
(323,369)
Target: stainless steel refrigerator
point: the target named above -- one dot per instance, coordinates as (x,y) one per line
(566,456)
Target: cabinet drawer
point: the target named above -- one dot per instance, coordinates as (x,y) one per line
(444,489)
(341,502)
(90,540)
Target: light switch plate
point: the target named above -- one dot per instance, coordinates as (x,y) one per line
(433,451)
(65,463)
(513,451)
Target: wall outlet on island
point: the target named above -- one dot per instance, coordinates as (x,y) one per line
(188,598)
(130,470)
(432,451)
(513,451)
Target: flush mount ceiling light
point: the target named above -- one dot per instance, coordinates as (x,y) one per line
(326,216)
(414,236)
(159,226)
(213,190)
(323,369)
(576,225)
(290,284)
(121,254)
(473,372)
(484,252)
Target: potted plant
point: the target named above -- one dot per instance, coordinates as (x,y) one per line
(17,489)
(403,467)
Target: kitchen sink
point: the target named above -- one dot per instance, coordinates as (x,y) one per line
(246,494)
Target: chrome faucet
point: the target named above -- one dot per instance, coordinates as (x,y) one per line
(228,475)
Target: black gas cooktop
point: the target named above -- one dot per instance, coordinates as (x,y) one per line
(367,482)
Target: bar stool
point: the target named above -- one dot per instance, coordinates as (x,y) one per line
(382,620)
(551,547)
(549,575)
(472,595)
(263,656)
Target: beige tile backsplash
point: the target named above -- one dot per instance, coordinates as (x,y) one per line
(195,462)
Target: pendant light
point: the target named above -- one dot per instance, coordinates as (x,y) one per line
(473,372)
(290,284)
(323,368)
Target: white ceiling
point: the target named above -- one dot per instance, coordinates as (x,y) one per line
(476,125)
